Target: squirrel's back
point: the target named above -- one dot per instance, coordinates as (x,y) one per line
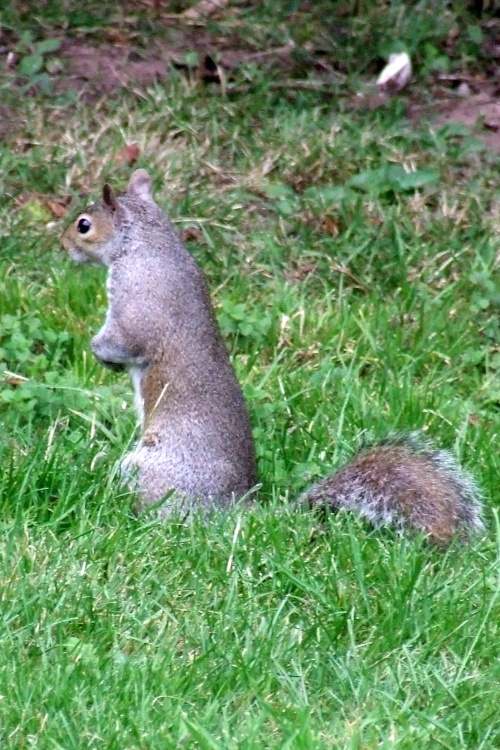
(405,483)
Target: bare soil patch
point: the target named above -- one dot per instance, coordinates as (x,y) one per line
(98,65)
(477,109)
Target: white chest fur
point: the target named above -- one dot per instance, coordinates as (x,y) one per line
(136,373)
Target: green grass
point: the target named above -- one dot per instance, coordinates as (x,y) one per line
(353,305)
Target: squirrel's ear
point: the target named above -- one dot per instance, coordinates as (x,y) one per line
(109,197)
(140,185)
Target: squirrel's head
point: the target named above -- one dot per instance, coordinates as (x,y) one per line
(93,235)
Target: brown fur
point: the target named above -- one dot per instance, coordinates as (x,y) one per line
(407,484)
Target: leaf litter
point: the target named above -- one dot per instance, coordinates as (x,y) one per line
(99,62)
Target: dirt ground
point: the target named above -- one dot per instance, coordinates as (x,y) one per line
(96,65)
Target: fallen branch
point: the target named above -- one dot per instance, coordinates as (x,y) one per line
(204,8)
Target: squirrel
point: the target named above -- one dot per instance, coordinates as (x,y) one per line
(160,327)
(196,448)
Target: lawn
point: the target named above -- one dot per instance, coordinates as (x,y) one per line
(352,256)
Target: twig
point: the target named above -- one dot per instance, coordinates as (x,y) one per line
(310,85)
(204,8)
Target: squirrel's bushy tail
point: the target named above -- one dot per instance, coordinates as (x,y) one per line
(405,483)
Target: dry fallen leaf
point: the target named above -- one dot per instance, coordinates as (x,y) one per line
(300,272)
(190,233)
(57,206)
(14,381)
(210,72)
(346,272)
(115,36)
(204,8)
(128,154)
(43,207)
(492,123)
(329,225)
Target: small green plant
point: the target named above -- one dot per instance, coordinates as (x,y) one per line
(36,61)
(33,370)
(393,178)
(240,320)
(26,342)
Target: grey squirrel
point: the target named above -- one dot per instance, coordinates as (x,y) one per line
(196,446)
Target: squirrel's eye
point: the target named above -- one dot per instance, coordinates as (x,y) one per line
(83,226)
